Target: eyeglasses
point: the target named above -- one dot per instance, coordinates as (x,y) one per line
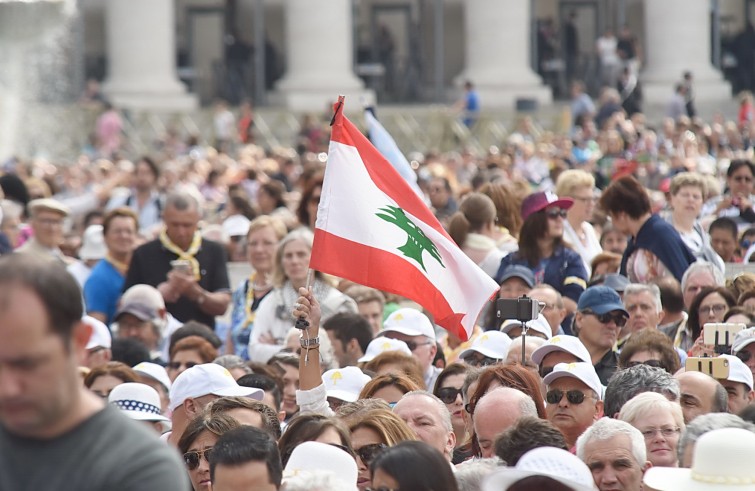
(742,179)
(175,365)
(414,345)
(448,394)
(479,361)
(667,432)
(191,459)
(650,363)
(554,396)
(744,355)
(545,371)
(369,452)
(555,213)
(716,309)
(617,317)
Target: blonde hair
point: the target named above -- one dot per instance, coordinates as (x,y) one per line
(643,403)
(268,221)
(386,424)
(571,180)
(685,179)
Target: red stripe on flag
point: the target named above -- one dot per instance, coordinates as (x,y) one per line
(382,172)
(385,271)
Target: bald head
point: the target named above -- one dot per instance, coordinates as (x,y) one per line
(497,411)
(700,394)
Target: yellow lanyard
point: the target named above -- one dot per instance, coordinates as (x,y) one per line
(187,255)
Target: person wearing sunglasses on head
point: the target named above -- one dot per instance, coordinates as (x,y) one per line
(197,443)
(542,248)
(574,399)
(600,316)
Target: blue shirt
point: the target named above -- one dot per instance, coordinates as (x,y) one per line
(103,289)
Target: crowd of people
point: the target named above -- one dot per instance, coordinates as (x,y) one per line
(116,303)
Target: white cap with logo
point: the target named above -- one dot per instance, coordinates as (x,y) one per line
(345,383)
(738,371)
(493,344)
(584,372)
(380,345)
(564,343)
(410,322)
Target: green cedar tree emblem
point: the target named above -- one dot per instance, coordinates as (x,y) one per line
(416,242)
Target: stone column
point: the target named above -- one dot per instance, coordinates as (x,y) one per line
(677,39)
(319,56)
(141,50)
(498,51)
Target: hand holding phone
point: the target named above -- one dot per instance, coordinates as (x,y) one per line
(181,265)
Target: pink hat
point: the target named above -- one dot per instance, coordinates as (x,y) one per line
(542,200)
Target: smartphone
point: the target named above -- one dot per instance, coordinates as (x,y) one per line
(721,336)
(717,368)
(181,265)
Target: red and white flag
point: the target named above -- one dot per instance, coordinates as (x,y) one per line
(373,229)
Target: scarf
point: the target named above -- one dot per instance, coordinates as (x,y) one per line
(119,266)
(187,255)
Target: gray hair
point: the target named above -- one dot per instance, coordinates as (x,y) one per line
(315,480)
(643,403)
(470,474)
(720,400)
(702,266)
(445,414)
(709,422)
(182,202)
(607,428)
(638,288)
(230,362)
(627,383)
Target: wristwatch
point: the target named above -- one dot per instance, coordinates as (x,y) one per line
(309,342)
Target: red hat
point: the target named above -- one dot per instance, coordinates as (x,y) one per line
(542,200)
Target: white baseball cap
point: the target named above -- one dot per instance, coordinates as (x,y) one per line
(738,371)
(584,372)
(493,344)
(208,378)
(562,342)
(345,383)
(540,325)
(382,344)
(154,371)
(742,339)
(137,401)
(236,225)
(316,456)
(100,337)
(93,244)
(551,462)
(410,322)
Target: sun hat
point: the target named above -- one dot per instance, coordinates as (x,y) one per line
(92,244)
(382,344)
(345,383)
(317,456)
(562,342)
(540,324)
(584,372)
(542,200)
(100,337)
(410,322)
(208,378)
(48,204)
(722,461)
(551,462)
(601,300)
(137,401)
(738,371)
(492,344)
(155,371)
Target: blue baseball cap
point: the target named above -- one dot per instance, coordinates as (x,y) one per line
(518,271)
(600,299)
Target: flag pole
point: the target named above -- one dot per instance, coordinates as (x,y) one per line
(339,107)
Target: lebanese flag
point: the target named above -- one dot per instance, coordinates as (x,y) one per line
(373,229)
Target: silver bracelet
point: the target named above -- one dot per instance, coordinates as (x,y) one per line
(309,342)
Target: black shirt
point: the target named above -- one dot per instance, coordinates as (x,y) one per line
(151,265)
(606,367)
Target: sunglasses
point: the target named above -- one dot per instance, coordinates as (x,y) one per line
(191,459)
(175,365)
(369,452)
(479,361)
(744,355)
(342,447)
(554,396)
(650,363)
(555,213)
(448,394)
(618,318)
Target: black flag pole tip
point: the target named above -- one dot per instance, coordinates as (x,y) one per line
(339,107)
